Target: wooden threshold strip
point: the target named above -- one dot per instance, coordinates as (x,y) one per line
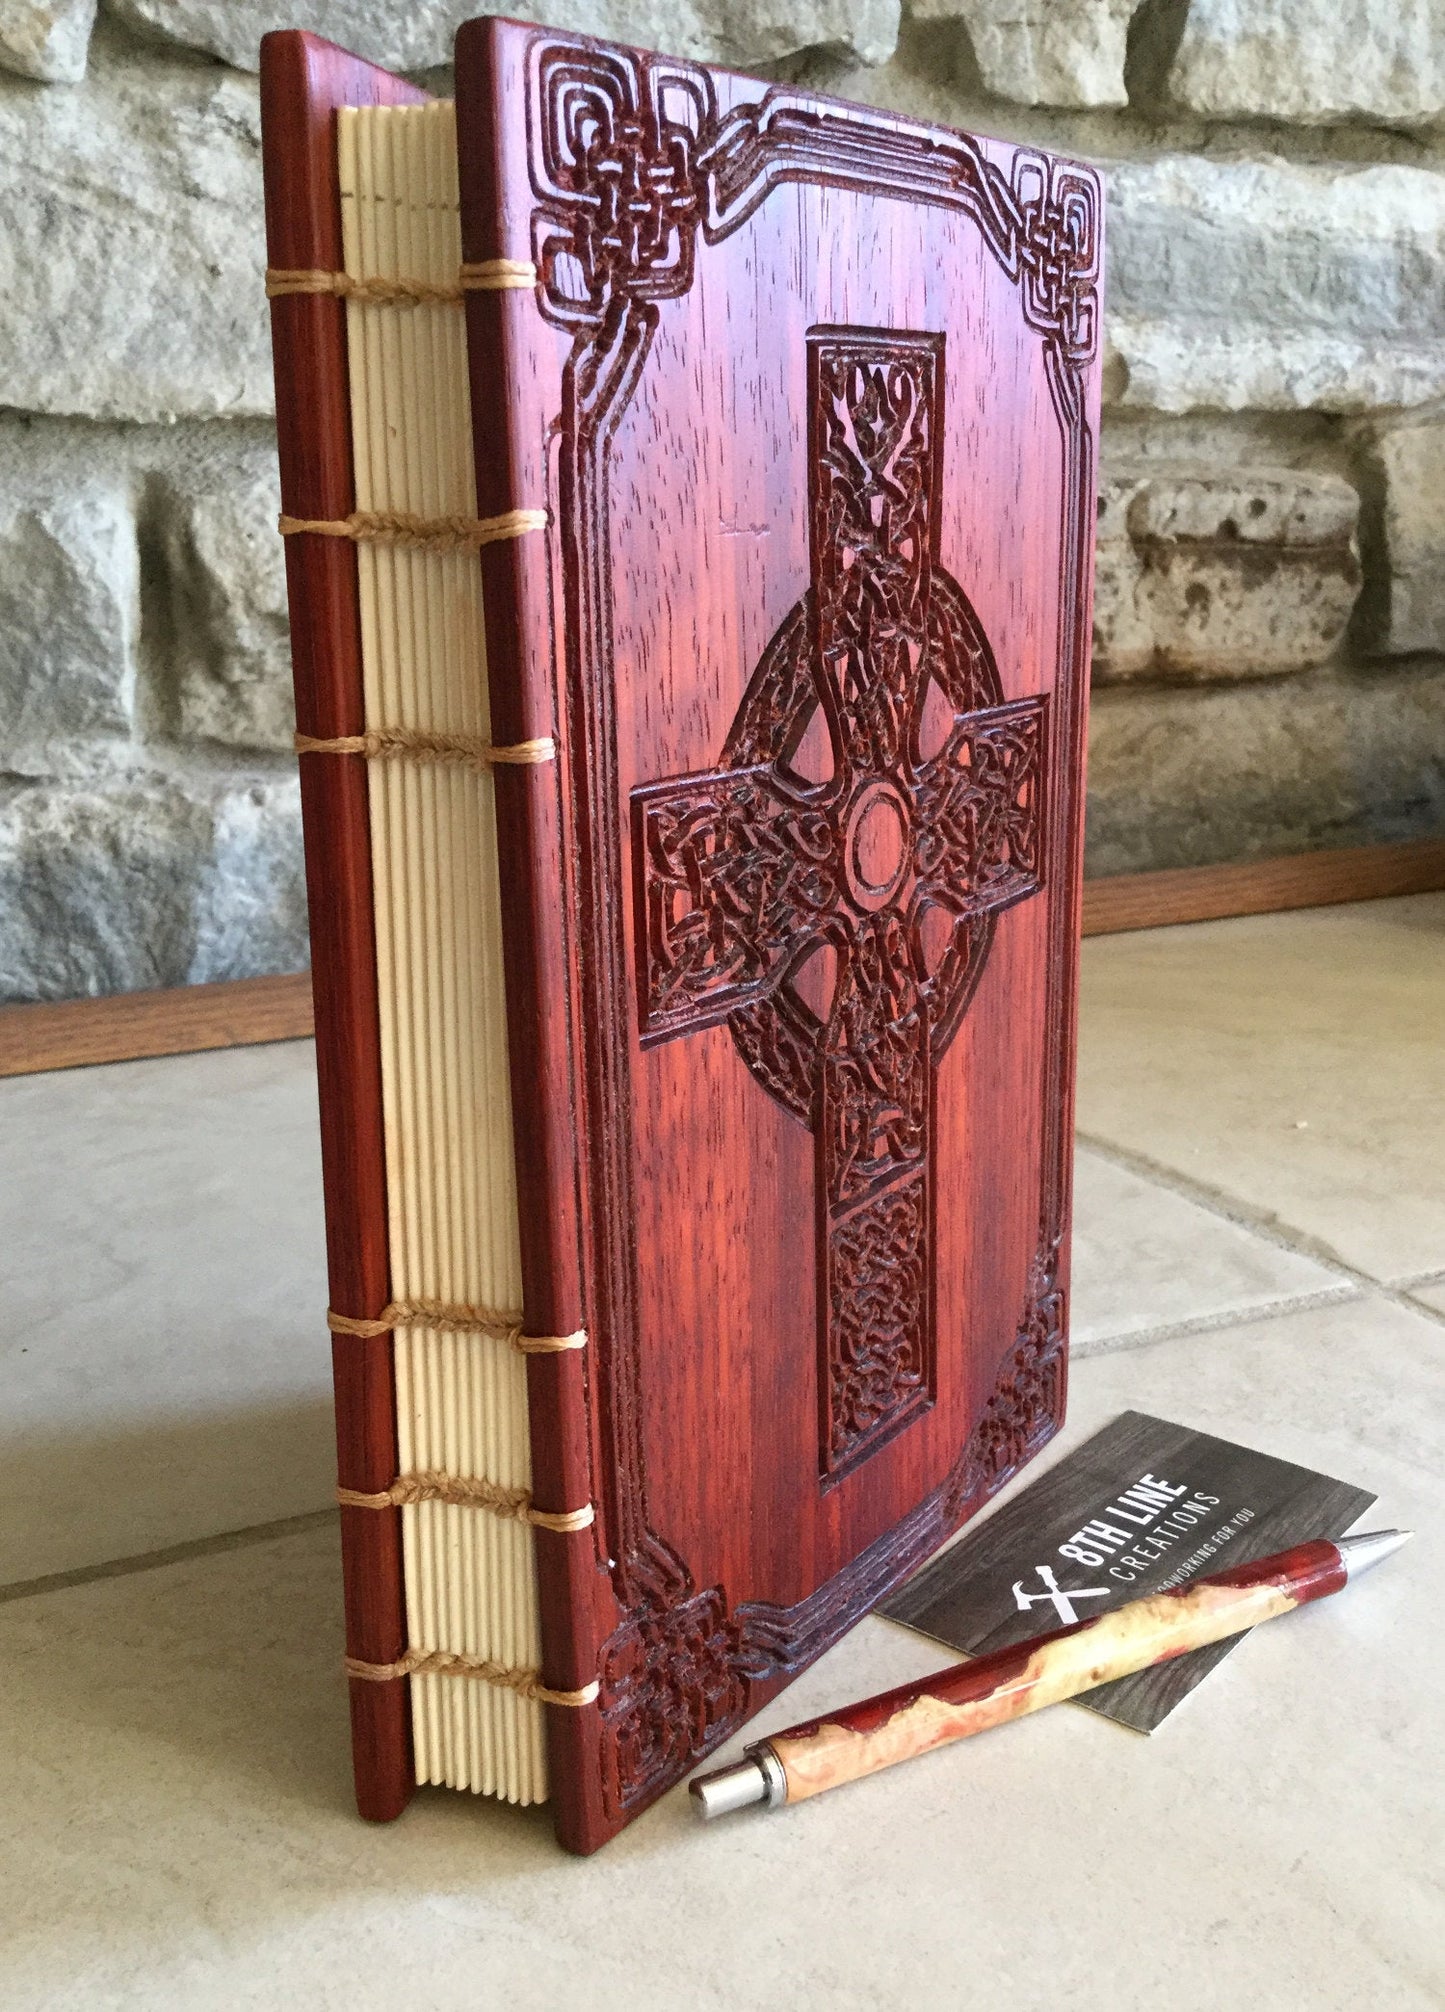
(1262,886)
(70,1033)
(131,1025)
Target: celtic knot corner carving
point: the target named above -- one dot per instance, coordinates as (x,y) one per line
(614,142)
(1059,251)
(672,1686)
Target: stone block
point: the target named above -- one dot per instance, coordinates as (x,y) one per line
(1044,52)
(1260,284)
(420,36)
(250,914)
(129,883)
(1412,463)
(133,244)
(47,39)
(220,566)
(1312,62)
(1187,778)
(1123,630)
(69,611)
(1241,573)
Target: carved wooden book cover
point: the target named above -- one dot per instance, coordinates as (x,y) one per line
(801,401)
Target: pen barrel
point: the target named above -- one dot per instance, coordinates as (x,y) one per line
(969,1698)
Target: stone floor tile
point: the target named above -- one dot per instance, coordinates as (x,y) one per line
(1147,1259)
(1292,1062)
(178,1831)
(164,1351)
(1430,1293)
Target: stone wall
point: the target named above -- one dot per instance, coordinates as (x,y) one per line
(1270,647)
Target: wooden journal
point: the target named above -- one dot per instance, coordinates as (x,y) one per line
(688,488)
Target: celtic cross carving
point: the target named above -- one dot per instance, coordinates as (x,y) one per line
(896,863)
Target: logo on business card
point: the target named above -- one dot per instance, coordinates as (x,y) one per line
(1063,1597)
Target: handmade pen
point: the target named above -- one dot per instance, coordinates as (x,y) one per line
(968,1698)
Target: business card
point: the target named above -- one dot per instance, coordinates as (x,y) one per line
(1142,1506)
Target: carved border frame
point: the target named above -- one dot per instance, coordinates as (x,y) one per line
(630,165)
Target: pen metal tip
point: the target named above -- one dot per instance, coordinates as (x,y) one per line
(729,1788)
(1367,1548)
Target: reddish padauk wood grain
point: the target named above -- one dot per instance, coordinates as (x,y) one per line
(303,81)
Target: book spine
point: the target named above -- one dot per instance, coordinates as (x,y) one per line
(303,81)
(510,362)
